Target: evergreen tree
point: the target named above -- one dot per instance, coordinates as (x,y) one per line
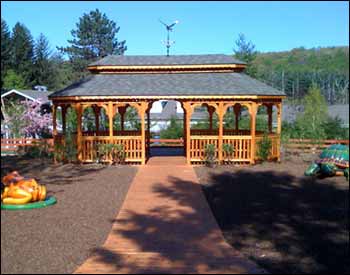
(5,50)
(245,51)
(93,38)
(12,80)
(22,52)
(63,72)
(43,69)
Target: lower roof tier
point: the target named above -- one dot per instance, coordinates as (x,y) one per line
(176,84)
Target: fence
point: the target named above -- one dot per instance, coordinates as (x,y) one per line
(310,145)
(12,145)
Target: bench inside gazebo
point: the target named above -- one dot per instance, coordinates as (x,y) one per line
(216,82)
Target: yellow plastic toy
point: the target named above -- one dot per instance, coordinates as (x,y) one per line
(21,191)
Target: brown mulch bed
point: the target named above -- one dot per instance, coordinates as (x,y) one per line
(284,221)
(57,239)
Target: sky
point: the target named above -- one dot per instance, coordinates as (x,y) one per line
(205,27)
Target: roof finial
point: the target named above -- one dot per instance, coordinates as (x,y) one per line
(169,28)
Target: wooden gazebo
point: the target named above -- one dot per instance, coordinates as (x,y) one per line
(214,81)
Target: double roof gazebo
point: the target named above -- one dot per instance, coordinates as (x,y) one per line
(216,82)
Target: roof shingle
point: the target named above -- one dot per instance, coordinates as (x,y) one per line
(138,60)
(179,84)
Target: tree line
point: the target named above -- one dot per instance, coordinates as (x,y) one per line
(26,62)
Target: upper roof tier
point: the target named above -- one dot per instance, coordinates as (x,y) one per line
(159,63)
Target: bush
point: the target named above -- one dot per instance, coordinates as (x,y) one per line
(103,150)
(264,147)
(333,129)
(38,149)
(118,153)
(228,149)
(210,155)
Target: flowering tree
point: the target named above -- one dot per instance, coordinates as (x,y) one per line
(37,121)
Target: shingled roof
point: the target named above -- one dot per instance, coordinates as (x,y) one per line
(138,60)
(168,85)
(150,82)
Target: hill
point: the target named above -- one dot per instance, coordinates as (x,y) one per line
(294,71)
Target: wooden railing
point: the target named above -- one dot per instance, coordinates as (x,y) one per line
(242,145)
(132,146)
(115,133)
(242,148)
(198,144)
(227,132)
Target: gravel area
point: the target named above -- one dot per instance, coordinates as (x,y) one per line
(284,221)
(58,239)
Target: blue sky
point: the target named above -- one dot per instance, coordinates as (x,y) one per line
(205,27)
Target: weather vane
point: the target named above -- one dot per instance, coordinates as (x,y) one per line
(169,29)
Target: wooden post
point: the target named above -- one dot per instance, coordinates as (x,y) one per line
(221,129)
(78,108)
(252,112)
(122,111)
(237,110)
(211,111)
(64,112)
(54,129)
(184,130)
(279,129)
(269,114)
(188,112)
(149,130)
(97,111)
(142,107)
(54,122)
(110,119)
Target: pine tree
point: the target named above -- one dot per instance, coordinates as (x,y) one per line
(245,51)
(5,50)
(93,38)
(22,52)
(43,69)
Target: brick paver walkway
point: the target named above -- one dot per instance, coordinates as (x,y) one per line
(166,226)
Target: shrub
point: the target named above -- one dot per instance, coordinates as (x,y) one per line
(103,150)
(264,147)
(118,153)
(209,154)
(70,150)
(228,149)
(38,149)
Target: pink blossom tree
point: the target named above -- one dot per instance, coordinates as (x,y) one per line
(37,121)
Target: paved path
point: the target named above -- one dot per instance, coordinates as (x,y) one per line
(166,226)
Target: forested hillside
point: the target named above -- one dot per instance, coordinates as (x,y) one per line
(294,71)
